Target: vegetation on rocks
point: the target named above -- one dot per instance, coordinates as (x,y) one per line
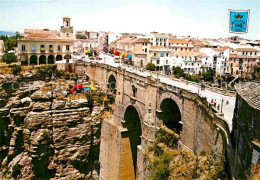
(169,162)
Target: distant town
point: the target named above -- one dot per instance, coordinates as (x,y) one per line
(160,52)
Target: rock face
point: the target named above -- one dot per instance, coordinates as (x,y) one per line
(45,137)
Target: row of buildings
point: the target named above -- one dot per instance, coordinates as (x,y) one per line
(192,55)
(233,56)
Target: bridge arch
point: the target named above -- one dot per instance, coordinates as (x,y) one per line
(170,111)
(132,122)
(111,82)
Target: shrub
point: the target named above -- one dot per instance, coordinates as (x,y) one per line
(178,72)
(16,69)
(150,66)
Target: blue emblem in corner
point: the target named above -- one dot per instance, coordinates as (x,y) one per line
(238,21)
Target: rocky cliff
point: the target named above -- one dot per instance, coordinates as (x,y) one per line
(44,133)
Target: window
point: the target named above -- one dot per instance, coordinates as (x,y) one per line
(67,47)
(167,54)
(162,54)
(42,48)
(23,47)
(33,48)
(158,62)
(145,49)
(192,64)
(255,53)
(154,54)
(51,48)
(58,47)
(166,61)
(186,64)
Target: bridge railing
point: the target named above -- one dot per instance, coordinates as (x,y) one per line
(184,81)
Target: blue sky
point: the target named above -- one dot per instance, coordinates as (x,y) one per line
(198,18)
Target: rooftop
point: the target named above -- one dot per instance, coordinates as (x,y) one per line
(196,42)
(40,34)
(178,41)
(142,40)
(247,49)
(250,92)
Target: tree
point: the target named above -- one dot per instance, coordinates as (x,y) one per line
(70,68)
(10,43)
(209,75)
(150,66)
(9,58)
(178,72)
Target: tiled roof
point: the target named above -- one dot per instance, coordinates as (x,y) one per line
(250,92)
(158,48)
(178,41)
(241,56)
(188,54)
(247,49)
(142,40)
(197,43)
(40,34)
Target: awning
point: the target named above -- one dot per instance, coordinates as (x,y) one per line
(72,91)
(86,50)
(106,50)
(126,55)
(79,86)
(91,50)
(129,56)
(111,51)
(87,89)
(116,53)
(122,54)
(92,87)
(95,51)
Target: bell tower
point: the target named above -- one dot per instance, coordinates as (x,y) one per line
(66,31)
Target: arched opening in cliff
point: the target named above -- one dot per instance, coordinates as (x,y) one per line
(134,131)
(42,59)
(50,59)
(112,83)
(171,115)
(33,60)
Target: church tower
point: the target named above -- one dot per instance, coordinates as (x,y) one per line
(66,31)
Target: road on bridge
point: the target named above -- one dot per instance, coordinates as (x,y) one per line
(226,102)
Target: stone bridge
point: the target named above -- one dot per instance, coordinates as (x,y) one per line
(142,106)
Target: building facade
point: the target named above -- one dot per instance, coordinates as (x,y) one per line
(245,132)
(243,61)
(44,46)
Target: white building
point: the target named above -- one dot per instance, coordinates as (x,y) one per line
(160,56)
(111,37)
(158,39)
(220,57)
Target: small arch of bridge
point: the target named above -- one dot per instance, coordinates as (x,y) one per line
(170,111)
(111,81)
